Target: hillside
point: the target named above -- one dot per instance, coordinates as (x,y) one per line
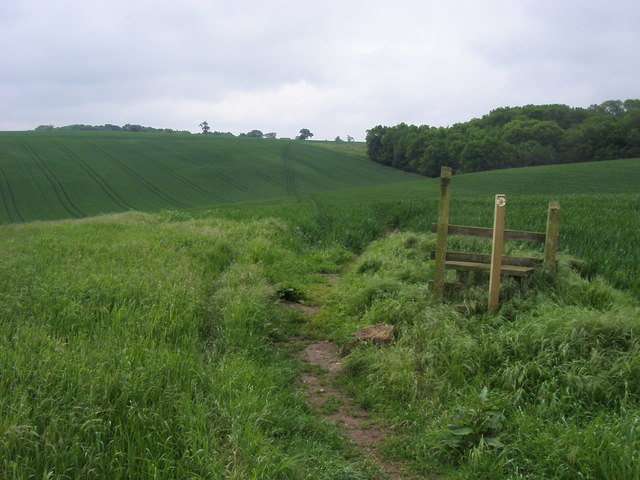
(58,174)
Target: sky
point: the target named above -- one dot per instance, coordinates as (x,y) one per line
(336,67)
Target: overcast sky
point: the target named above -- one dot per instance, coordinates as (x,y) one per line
(334,67)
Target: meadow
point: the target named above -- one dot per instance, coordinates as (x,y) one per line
(154,345)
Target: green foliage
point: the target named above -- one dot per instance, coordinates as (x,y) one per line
(290,294)
(255,134)
(305,133)
(474,428)
(115,128)
(512,137)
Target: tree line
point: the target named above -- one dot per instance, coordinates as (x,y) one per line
(109,127)
(512,137)
(305,133)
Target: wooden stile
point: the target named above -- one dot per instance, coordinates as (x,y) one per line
(486,258)
(552,236)
(484,232)
(496,253)
(496,264)
(442,229)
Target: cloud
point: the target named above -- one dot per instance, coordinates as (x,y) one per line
(336,68)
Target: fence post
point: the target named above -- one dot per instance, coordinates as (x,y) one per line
(442,232)
(552,235)
(496,252)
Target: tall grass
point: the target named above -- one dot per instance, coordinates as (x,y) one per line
(602,230)
(549,388)
(133,347)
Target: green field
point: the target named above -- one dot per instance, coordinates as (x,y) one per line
(55,175)
(600,210)
(154,345)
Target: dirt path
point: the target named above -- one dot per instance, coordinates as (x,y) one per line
(322,364)
(324,360)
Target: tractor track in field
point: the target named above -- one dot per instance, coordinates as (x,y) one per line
(106,188)
(289,173)
(171,173)
(211,194)
(218,173)
(268,179)
(150,186)
(56,184)
(12,198)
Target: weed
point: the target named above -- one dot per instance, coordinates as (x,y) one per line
(476,427)
(290,294)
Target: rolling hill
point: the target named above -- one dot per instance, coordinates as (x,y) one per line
(56,175)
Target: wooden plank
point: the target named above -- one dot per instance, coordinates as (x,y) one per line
(552,236)
(484,232)
(510,270)
(442,229)
(497,243)
(486,258)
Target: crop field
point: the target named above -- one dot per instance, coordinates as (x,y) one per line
(56,175)
(155,344)
(600,211)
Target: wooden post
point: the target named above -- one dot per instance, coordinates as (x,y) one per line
(552,236)
(496,253)
(442,232)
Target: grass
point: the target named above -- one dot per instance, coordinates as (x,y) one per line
(146,344)
(603,230)
(547,389)
(134,347)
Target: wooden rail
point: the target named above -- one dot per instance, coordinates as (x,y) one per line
(484,232)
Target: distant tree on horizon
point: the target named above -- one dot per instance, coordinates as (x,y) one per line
(304,134)
(205,127)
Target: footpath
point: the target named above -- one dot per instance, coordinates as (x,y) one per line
(321,364)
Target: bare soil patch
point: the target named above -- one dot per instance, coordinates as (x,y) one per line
(306,309)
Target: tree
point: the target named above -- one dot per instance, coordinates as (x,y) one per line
(349,138)
(270,135)
(304,134)
(610,107)
(255,134)
(205,127)
(338,139)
